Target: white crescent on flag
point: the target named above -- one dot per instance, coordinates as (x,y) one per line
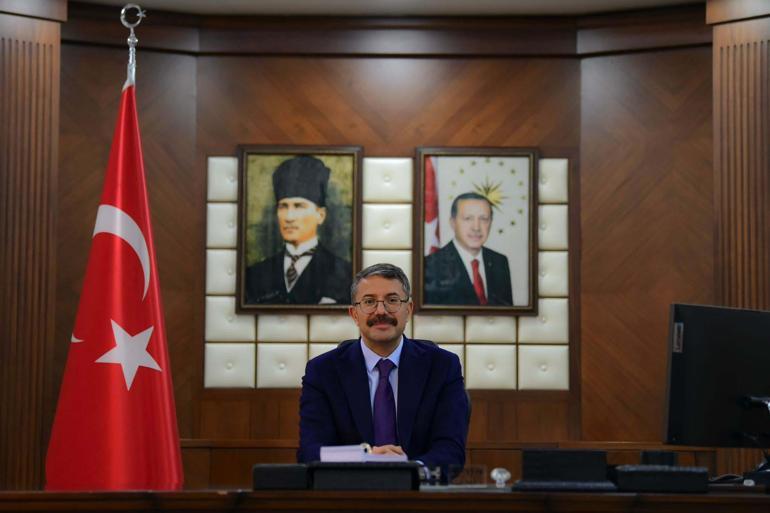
(110,219)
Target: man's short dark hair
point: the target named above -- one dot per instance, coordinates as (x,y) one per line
(468,196)
(387,271)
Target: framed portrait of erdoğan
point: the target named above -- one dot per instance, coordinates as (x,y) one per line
(476,230)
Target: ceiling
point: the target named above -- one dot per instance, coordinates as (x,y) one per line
(395,7)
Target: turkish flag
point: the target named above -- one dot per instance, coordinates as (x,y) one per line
(431,241)
(115,426)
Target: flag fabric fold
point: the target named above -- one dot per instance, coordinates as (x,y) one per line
(432,239)
(115,425)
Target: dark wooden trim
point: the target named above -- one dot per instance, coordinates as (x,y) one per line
(544,36)
(457,501)
(52,10)
(642,30)
(724,11)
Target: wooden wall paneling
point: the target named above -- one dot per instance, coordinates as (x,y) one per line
(647,228)
(196,464)
(29,124)
(92,79)
(541,419)
(231,468)
(742,168)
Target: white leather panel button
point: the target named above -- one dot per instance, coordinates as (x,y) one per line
(553,184)
(387,227)
(222,323)
(457,349)
(387,180)
(402,259)
(229,366)
(282,328)
(490,366)
(332,328)
(551,324)
(280,365)
(223,179)
(487,329)
(543,367)
(222,225)
(553,227)
(439,328)
(319,349)
(220,271)
(553,274)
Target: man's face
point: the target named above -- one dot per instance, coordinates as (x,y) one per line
(299,219)
(471,225)
(380,328)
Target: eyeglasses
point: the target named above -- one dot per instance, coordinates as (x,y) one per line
(392,304)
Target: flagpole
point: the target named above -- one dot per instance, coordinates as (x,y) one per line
(132,40)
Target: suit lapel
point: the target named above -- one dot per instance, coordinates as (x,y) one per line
(351,370)
(468,292)
(413,371)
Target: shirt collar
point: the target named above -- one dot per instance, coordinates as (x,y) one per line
(371,358)
(466,256)
(308,244)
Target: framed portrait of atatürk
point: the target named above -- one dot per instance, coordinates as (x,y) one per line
(476,230)
(299,227)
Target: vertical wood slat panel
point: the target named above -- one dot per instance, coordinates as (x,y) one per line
(29,104)
(742,193)
(741,143)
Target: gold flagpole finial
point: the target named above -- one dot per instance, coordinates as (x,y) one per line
(132,40)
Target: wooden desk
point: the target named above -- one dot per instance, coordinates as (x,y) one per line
(480,501)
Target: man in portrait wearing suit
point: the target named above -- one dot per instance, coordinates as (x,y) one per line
(464,271)
(304,271)
(400,395)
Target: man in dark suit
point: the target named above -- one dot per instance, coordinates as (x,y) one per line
(400,395)
(464,272)
(304,272)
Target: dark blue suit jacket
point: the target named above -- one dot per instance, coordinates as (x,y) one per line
(432,409)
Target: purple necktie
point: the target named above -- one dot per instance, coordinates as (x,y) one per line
(384,407)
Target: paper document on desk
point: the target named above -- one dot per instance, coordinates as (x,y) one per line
(356,454)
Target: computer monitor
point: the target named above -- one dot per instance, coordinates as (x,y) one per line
(717,357)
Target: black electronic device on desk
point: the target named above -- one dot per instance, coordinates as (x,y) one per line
(719,379)
(280,476)
(391,476)
(661,479)
(564,470)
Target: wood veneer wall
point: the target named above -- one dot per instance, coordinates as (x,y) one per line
(29,134)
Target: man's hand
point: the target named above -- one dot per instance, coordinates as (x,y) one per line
(388,449)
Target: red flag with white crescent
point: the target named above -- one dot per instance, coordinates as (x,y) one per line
(115,426)
(432,239)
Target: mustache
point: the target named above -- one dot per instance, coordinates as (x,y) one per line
(381,318)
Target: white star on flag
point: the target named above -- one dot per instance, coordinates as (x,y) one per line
(130,352)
